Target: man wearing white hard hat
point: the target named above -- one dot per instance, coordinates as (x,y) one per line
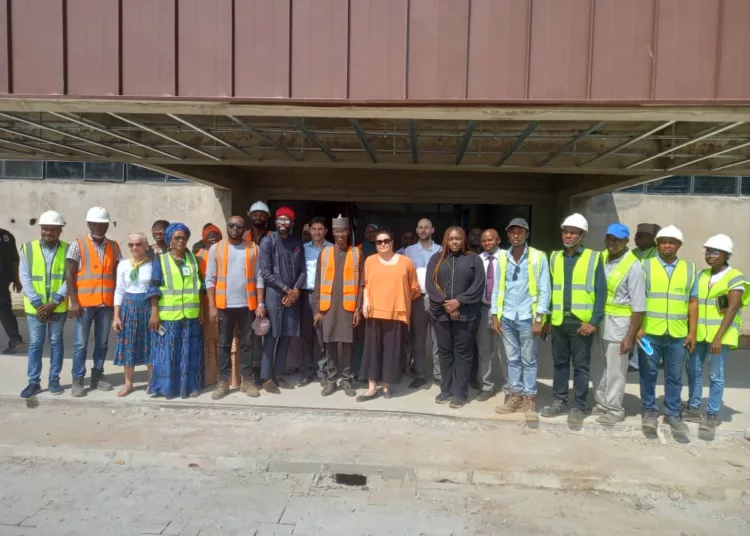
(670,327)
(258,213)
(723,292)
(91,274)
(45,301)
(579,290)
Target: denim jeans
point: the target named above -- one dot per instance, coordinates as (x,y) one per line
(672,351)
(37,333)
(715,376)
(521,351)
(102,320)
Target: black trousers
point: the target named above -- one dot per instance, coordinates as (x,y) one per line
(310,367)
(7,318)
(567,347)
(455,342)
(243,318)
(339,362)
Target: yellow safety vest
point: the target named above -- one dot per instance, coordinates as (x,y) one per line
(644,254)
(534,267)
(180,292)
(36,263)
(709,317)
(582,295)
(667,297)
(614,280)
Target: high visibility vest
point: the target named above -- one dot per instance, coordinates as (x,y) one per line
(667,297)
(614,280)
(38,267)
(582,295)
(709,317)
(180,293)
(534,263)
(95,283)
(351,277)
(249,237)
(222,262)
(202,256)
(643,254)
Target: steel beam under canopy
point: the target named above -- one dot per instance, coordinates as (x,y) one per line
(270,141)
(571,141)
(209,135)
(310,135)
(465,141)
(49,142)
(712,155)
(628,143)
(32,148)
(414,141)
(727,166)
(363,139)
(516,144)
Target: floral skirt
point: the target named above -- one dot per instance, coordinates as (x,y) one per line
(134,341)
(177,359)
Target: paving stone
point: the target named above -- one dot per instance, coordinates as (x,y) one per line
(274,529)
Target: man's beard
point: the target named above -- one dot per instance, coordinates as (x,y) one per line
(259,224)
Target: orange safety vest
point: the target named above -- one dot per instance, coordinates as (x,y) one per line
(351,277)
(96,280)
(202,256)
(222,262)
(249,237)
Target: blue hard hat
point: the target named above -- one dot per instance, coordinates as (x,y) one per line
(618,230)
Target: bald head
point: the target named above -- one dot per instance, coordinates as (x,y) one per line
(490,240)
(425,230)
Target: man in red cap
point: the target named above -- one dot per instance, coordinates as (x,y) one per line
(284,274)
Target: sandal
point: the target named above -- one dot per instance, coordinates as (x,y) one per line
(366,397)
(125,391)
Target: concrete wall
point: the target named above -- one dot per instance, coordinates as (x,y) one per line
(698,217)
(133,206)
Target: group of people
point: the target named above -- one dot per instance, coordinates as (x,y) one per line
(227,312)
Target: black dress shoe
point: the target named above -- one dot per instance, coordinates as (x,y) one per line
(305,381)
(328,389)
(387,394)
(366,398)
(475,385)
(417,383)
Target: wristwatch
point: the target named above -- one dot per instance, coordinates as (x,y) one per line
(539,319)
(261,305)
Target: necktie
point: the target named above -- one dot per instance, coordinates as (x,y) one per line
(490,278)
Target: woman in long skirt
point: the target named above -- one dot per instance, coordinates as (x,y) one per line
(177,352)
(132,311)
(391,285)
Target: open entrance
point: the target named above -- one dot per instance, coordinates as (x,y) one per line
(403,217)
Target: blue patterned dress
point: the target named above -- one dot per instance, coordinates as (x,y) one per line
(177,356)
(134,341)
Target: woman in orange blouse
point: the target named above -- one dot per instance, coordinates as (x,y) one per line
(390,287)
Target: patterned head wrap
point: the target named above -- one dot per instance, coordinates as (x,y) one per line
(211,229)
(173,228)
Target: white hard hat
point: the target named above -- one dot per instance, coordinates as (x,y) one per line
(98,215)
(259,206)
(51,218)
(670,231)
(576,220)
(721,242)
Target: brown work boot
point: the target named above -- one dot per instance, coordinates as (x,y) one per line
(529,408)
(271,387)
(249,388)
(513,404)
(222,390)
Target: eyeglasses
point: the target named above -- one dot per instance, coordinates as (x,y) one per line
(283,219)
(132,245)
(384,242)
(179,238)
(712,252)
(516,271)
(235,225)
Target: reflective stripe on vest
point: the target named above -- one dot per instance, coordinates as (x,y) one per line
(644,254)
(582,294)
(667,297)
(534,265)
(350,280)
(222,264)
(709,317)
(180,294)
(614,280)
(37,265)
(95,283)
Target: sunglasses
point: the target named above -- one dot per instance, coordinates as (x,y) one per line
(712,252)
(384,242)
(179,238)
(235,225)
(132,245)
(516,271)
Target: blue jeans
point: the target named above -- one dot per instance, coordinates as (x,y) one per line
(37,333)
(102,320)
(715,376)
(521,351)
(672,351)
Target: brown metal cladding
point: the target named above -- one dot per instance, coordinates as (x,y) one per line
(623,50)
(37,46)
(687,49)
(204,34)
(4,63)
(93,47)
(499,49)
(320,49)
(734,70)
(148,48)
(560,49)
(438,49)
(377,50)
(261,48)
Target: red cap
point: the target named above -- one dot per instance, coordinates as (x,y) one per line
(285,211)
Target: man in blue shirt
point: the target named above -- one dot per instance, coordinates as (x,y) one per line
(312,369)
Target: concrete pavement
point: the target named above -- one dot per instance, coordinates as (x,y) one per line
(735,414)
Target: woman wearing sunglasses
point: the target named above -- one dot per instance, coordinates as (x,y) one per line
(723,292)
(391,285)
(132,311)
(455,283)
